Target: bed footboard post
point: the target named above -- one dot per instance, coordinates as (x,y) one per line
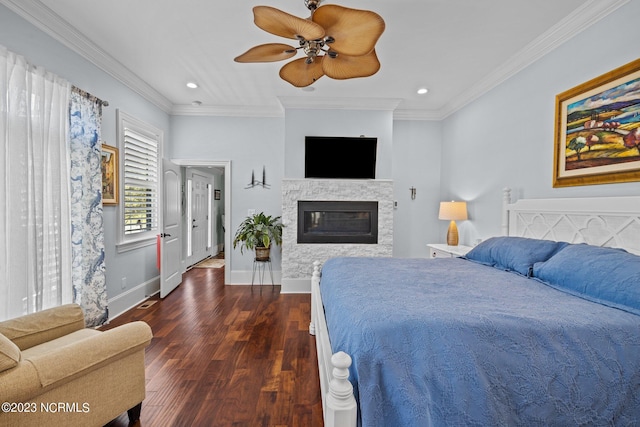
(341,408)
(506,201)
(315,283)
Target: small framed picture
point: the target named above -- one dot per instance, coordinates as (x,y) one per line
(109,165)
(216,194)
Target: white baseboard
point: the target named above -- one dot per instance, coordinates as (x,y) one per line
(288,286)
(132,297)
(243,277)
(296,286)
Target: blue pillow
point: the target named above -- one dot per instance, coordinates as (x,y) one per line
(517,254)
(604,275)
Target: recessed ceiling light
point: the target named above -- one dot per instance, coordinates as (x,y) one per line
(423,90)
(192,85)
(196,103)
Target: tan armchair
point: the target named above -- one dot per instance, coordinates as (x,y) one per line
(54,371)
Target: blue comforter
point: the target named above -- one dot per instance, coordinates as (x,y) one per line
(440,342)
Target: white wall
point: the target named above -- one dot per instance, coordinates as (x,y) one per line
(506,137)
(138,266)
(417,147)
(250,144)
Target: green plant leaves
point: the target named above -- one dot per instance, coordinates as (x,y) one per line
(258,230)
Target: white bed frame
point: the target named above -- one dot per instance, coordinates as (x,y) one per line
(604,221)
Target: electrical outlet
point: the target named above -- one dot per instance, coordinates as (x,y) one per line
(251,212)
(124,283)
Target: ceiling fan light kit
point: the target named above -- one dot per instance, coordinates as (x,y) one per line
(337,41)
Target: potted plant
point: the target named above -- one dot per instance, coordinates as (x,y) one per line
(257,232)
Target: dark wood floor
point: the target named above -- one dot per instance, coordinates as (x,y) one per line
(228,356)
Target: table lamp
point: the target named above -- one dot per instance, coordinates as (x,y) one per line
(453,211)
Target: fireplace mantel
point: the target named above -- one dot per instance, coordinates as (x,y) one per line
(297,258)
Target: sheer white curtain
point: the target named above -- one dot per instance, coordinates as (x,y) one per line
(35,237)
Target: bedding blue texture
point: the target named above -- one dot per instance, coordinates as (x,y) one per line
(517,254)
(604,275)
(449,342)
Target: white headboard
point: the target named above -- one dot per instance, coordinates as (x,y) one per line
(599,221)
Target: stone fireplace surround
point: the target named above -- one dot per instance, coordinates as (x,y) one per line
(297,259)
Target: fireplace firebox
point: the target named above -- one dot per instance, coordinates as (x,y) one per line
(337,222)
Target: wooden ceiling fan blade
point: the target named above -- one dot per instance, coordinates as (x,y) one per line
(270,52)
(355,31)
(348,67)
(282,24)
(301,74)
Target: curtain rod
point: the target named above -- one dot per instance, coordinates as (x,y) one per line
(88,95)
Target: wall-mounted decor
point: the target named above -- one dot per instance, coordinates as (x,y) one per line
(216,194)
(597,136)
(109,166)
(255,183)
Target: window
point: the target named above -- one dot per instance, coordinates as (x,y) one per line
(140,183)
(141,148)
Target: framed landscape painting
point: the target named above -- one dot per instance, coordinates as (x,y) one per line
(109,166)
(597,136)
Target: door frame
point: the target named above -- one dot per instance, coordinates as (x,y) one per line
(226,164)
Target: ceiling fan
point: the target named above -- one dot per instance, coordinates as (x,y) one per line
(337,41)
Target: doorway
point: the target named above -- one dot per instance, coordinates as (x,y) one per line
(218,194)
(201,214)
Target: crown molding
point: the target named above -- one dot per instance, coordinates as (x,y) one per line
(318,103)
(586,15)
(327,103)
(405,114)
(52,24)
(228,111)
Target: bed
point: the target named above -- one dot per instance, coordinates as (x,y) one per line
(538,327)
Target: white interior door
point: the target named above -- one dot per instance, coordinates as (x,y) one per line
(171,236)
(199,217)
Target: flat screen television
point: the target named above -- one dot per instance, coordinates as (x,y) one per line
(340,157)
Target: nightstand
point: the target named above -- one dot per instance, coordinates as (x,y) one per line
(437,250)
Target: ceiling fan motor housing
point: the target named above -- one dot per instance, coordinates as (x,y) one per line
(312,48)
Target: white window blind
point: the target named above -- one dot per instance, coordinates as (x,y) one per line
(140,183)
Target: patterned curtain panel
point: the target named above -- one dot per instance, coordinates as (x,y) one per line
(87,236)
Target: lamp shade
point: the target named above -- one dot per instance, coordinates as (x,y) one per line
(453,211)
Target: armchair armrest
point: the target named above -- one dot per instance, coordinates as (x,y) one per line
(46,325)
(20,383)
(91,353)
